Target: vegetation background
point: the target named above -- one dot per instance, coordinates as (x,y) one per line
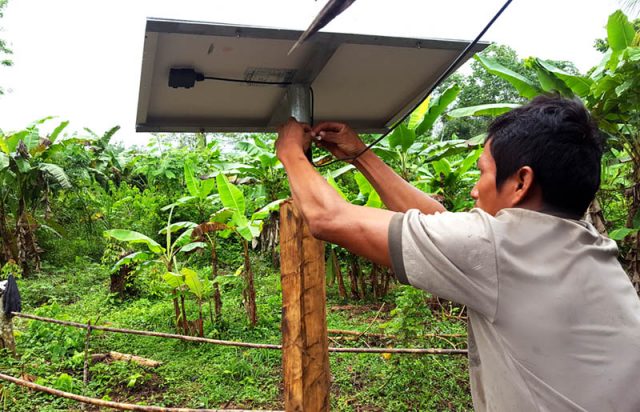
(182,236)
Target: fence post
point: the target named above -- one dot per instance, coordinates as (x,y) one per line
(305,348)
(7,340)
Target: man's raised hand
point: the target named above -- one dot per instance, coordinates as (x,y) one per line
(339,139)
(293,138)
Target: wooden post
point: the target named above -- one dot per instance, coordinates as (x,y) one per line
(305,347)
(7,339)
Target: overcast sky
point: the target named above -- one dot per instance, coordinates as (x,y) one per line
(81,59)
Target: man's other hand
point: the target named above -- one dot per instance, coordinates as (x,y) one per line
(339,139)
(294,138)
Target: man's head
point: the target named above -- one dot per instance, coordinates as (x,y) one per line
(542,156)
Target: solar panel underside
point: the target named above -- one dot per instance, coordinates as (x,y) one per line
(367,81)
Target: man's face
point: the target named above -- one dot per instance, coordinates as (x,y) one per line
(485,192)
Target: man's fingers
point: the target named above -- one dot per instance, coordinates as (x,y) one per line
(324,144)
(320,144)
(328,137)
(329,127)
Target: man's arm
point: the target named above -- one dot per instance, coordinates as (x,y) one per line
(362,230)
(396,193)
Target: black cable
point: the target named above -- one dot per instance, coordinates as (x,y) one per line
(311,104)
(440,79)
(227,79)
(309,152)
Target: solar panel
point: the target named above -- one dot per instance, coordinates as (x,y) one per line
(367,81)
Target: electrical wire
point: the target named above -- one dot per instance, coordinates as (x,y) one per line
(311,105)
(227,79)
(437,83)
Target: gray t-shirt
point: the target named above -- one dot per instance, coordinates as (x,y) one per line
(554,322)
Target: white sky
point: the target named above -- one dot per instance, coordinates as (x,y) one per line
(81,59)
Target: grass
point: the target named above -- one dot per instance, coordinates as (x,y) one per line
(209,376)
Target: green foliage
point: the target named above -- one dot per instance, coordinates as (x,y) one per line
(10,268)
(412,315)
(620,32)
(261,166)
(367,193)
(436,108)
(56,341)
(186,277)
(133,237)
(452,178)
(523,85)
(480,87)
(490,109)
(234,212)
(29,176)
(248,378)
(402,138)
(230,196)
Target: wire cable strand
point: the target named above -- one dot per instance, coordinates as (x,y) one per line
(232,80)
(422,351)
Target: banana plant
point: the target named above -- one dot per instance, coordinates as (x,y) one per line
(262,168)
(234,217)
(188,279)
(615,181)
(261,164)
(201,195)
(29,175)
(179,279)
(450,178)
(208,232)
(107,161)
(408,141)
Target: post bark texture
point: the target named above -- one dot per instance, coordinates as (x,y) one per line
(305,348)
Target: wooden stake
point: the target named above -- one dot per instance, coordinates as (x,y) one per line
(305,345)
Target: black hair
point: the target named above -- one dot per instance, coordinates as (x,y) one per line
(559,140)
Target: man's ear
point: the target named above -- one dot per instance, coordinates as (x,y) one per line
(524,184)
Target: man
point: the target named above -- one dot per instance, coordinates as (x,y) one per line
(554,323)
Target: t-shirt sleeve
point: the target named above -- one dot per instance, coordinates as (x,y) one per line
(451,255)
